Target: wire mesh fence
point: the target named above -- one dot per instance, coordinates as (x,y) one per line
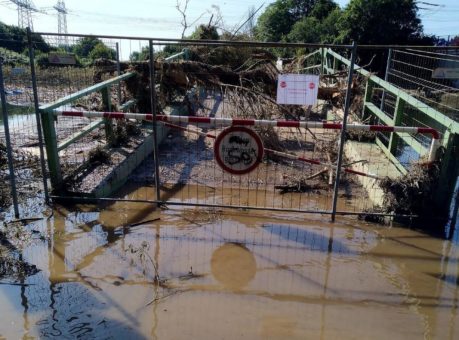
(92,155)
(23,180)
(428,76)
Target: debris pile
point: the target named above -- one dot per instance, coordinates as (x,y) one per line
(412,194)
(26,168)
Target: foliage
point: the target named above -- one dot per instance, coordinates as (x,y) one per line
(102,51)
(314,30)
(205,32)
(381,22)
(275,22)
(15,39)
(13,58)
(280,17)
(322,21)
(93,48)
(84,46)
(455,41)
(143,55)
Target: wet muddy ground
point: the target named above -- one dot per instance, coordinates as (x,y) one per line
(130,270)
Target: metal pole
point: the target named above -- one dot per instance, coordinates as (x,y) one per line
(347,104)
(118,70)
(386,76)
(155,125)
(8,142)
(37,114)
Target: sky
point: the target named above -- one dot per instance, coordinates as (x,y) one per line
(160,18)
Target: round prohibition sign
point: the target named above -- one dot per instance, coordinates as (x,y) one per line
(238,150)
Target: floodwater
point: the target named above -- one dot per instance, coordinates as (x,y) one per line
(187,273)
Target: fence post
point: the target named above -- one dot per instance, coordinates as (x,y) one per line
(8,142)
(51,149)
(398,115)
(155,125)
(368,95)
(322,54)
(343,131)
(107,106)
(386,77)
(118,70)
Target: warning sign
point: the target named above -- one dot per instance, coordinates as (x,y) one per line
(238,150)
(61,58)
(297,89)
(445,73)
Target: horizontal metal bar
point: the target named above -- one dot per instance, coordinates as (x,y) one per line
(248,122)
(310,67)
(307,56)
(418,147)
(127,105)
(379,113)
(391,157)
(74,96)
(175,56)
(198,42)
(422,107)
(223,206)
(77,135)
(243,43)
(108,199)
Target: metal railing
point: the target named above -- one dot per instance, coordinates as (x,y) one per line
(67,143)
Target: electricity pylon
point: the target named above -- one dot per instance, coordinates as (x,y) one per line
(25,9)
(61,22)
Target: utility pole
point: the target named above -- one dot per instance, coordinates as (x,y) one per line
(25,9)
(61,22)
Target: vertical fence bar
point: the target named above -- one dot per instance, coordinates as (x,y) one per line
(343,131)
(108,122)
(9,154)
(398,117)
(386,77)
(118,71)
(38,119)
(155,125)
(322,65)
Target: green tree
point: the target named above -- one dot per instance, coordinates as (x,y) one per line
(279,18)
(144,54)
(205,32)
(15,39)
(381,22)
(84,46)
(275,22)
(102,51)
(93,48)
(312,29)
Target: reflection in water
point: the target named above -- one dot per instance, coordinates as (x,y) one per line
(235,276)
(233,265)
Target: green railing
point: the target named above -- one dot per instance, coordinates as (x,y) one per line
(424,114)
(53,147)
(410,111)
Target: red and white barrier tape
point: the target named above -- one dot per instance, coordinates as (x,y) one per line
(280,154)
(266,123)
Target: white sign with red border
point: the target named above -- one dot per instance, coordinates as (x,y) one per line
(238,150)
(297,89)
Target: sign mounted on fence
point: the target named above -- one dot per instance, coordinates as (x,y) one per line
(445,73)
(61,58)
(17,71)
(238,150)
(297,89)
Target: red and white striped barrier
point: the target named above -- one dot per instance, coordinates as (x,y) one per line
(266,123)
(280,154)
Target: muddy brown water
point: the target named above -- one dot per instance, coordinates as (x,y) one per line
(229,274)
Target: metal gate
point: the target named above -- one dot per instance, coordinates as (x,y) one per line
(100,145)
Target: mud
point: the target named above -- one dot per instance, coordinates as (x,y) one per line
(228,274)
